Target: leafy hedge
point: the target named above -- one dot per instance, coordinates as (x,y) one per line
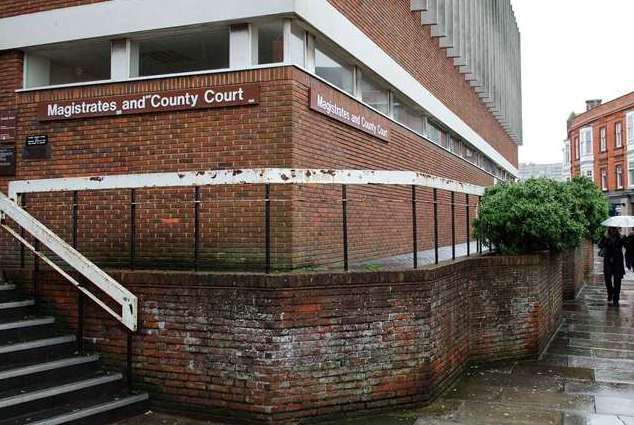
(540,214)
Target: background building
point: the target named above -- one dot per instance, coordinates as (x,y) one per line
(601,146)
(551,171)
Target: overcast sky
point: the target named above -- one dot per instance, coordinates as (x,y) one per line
(572,50)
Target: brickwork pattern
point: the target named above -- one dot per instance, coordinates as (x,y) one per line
(282,347)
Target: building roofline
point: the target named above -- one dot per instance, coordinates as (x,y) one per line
(594,114)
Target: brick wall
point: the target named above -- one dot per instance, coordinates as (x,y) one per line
(279,132)
(282,347)
(20,7)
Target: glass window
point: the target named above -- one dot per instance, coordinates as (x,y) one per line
(374,94)
(298,45)
(603,143)
(604,179)
(618,134)
(619,177)
(434,133)
(577,147)
(407,115)
(270,42)
(67,64)
(184,52)
(333,70)
(586,141)
(630,128)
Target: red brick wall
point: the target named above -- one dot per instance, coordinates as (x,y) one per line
(279,132)
(399,32)
(275,348)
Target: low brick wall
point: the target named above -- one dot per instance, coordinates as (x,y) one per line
(288,348)
(578,267)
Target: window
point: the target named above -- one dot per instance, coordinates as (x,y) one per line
(630,171)
(333,70)
(374,94)
(298,46)
(184,52)
(270,42)
(66,64)
(567,158)
(604,179)
(603,143)
(630,129)
(586,141)
(618,134)
(619,177)
(434,133)
(407,115)
(577,148)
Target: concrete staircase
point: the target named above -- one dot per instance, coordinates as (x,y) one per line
(43,378)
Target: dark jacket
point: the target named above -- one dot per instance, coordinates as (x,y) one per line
(628,243)
(613,255)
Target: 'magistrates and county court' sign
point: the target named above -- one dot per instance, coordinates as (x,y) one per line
(342,108)
(178,100)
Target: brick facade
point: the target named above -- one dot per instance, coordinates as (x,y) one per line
(605,116)
(280,348)
(281,131)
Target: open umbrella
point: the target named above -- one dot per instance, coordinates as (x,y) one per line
(619,221)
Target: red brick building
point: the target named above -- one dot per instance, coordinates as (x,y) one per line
(92,87)
(99,91)
(600,146)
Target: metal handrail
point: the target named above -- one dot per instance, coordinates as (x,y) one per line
(128,301)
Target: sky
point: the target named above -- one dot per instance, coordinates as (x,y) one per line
(572,50)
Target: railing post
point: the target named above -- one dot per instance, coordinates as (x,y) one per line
(468,226)
(196,227)
(478,216)
(132,227)
(74,215)
(22,198)
(36,270)
(129,360)
(80,322)
(414,228)
(267,226)
(436,226)
(344,206)
(453,225)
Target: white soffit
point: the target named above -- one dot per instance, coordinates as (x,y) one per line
(120,17)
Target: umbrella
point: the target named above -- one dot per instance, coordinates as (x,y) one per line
(619,221)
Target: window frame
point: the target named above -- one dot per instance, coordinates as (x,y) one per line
(618,134)
(618,170)
(603,139)
(604,178)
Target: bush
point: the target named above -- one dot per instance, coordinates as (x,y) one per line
(539,214)
(593,205)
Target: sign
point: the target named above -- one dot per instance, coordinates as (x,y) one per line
(7,161)
(342,108)
(8,126)
(37,147)
(178,100)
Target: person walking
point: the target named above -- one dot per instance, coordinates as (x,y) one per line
(613,268)
(628,243)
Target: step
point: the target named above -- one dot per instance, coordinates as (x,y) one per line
(49,371)
(37,350)
(7,292)
(49,397)
(107,409)
(26,329)
(15,309)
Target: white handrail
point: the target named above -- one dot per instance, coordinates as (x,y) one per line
(241,176)
(127,300)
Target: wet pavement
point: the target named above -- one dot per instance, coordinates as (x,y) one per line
(585,377)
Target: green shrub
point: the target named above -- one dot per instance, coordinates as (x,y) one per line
(539,214)
(592,203)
